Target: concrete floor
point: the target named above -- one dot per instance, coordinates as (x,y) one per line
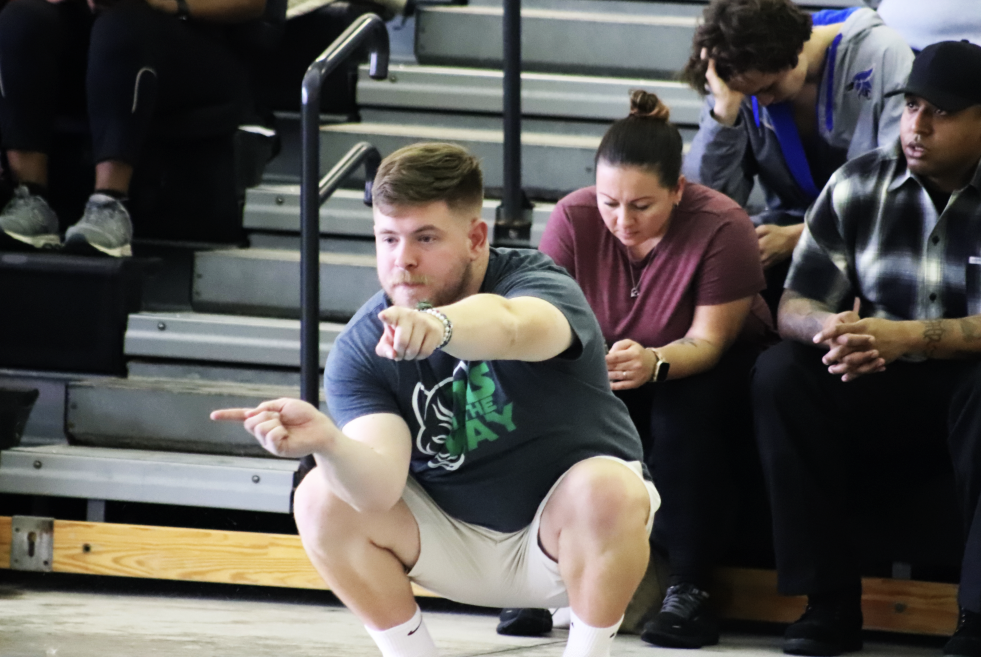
(98,617)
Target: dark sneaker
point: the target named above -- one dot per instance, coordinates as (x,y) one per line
(684,621)
(105,228)
(966,641)
(525,622)
(828,627)
(28,219)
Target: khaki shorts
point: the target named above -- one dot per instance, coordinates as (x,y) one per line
(479,566)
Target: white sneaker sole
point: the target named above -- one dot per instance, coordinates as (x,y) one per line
(37,241)
(77,242)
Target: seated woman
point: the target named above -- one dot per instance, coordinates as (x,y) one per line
(672,271)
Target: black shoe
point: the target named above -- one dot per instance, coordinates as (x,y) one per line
(829,626)
(966,641)
(684,621)
(525,622)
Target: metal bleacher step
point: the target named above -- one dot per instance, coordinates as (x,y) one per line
(266,282)
(200,480)
(161,414)
(453,89)
(646,40)
(552,164)
(556,158)
(276,208)
(208,338)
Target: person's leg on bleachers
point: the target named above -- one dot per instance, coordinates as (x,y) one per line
(146,70)
(42,62)
(964,442)
(700,430)
(814,433)
(808,453)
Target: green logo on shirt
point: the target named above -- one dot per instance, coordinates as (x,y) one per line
(449,429)
(477,415)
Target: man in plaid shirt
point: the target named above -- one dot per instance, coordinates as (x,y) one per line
(896,235)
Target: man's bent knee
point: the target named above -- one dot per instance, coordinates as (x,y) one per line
(321,517)
(603,496)
(327,524)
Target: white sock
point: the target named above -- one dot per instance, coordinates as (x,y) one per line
(410,639)
(588,641)
(560,618)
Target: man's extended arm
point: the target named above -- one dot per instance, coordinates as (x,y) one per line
(812,322)
(863,346)
(932,338)
(800,318)
(485,327)
(366,465)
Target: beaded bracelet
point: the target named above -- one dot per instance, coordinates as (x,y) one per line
(424,307)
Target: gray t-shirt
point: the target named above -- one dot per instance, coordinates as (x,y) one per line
(490,437)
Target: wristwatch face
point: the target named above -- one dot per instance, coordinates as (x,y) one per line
(661,371)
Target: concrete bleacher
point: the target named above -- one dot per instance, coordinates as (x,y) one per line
(232,339)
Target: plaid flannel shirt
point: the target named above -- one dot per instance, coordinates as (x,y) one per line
(874,233)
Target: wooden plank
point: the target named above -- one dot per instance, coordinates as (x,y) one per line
(5,539)
(751,594)
(182,554)
(908,606)
(195,555)
(201,555)
(887,604)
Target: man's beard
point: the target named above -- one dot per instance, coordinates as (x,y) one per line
(446,294)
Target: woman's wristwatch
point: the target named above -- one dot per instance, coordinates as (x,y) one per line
(661,367)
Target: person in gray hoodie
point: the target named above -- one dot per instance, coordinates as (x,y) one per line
(790,98)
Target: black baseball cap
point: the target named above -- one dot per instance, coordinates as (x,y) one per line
(946,74)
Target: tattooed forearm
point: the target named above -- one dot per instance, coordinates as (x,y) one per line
(800,318)
(933,333)
(970,329)
(691,342)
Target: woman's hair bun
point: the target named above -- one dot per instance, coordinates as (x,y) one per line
(646,105)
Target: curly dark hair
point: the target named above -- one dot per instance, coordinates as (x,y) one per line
(747,35)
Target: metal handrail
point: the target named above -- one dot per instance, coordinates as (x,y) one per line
(369,29)
(512,225)
(511,34)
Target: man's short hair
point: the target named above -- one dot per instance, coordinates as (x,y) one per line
(429,172)
(747,35)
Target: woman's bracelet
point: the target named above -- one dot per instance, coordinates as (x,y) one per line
(424,307)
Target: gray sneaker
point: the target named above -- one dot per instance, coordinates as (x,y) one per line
(105,227)
(28,219)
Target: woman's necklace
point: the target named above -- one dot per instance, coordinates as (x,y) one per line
(635,284)
(635,290)
(646,260)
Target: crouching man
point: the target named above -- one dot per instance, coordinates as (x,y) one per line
(478,450)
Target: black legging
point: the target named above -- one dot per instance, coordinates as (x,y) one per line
(817,437)
(137,69)
(697,434)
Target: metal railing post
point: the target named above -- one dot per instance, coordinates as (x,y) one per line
(368,29)
(513,221)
